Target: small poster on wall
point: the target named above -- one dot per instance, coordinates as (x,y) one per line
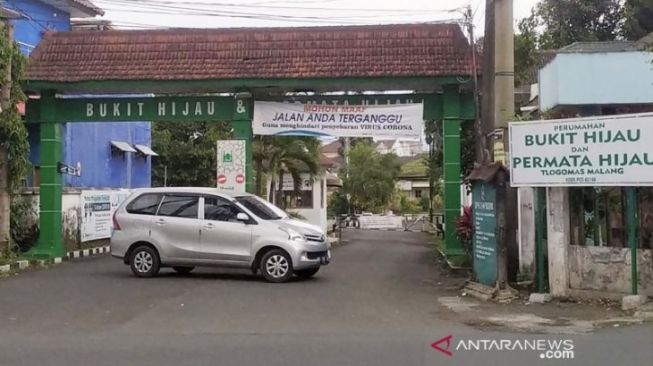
(231,165)
(97,208)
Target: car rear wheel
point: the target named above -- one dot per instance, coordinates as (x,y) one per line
(306,273)
(183,269)
(144,261)
(276,266)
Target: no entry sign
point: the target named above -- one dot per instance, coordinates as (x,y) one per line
(231,165)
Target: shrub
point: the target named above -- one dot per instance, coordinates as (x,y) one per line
(424,203)
(23,223)
(465,228)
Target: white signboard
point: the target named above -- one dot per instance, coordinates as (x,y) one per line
(401,120)
(231,165)
(381,222)
(305,179)
(97,208)
(596,151)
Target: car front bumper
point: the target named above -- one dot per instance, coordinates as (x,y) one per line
(310,256)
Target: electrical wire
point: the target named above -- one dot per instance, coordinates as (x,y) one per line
(253,6)
(208,9)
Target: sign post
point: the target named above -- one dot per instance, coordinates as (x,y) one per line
(489,189)
(231,175)
(484,196)
(595,151)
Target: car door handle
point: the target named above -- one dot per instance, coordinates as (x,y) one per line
(209,226)
(161,222)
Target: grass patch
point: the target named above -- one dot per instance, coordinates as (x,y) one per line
(460,261)
(7,258)
(464,261)
(438,242)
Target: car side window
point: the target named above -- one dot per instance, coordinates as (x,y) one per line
(220,209)
(179,206)
(146,204)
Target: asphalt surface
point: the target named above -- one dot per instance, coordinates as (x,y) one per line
(375,304)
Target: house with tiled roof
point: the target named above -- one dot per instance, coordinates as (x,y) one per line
(400,147)
(413,177)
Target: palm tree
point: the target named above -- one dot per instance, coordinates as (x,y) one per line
(278,155)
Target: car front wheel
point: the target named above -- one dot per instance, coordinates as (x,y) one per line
(276,266)
(144,261)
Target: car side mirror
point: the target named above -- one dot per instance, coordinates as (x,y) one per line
(242,217)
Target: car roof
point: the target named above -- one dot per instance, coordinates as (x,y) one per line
(205,190)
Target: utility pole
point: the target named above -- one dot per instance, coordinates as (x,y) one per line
(5,104)
(503,111)
(481,145)
(504,66)
(347,147)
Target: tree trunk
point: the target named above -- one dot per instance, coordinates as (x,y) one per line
(258,165)
(279,193)
(5,199)
(273,182)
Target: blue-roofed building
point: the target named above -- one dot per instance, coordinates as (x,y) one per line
(100,149)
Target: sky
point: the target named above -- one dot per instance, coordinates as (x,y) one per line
(131,14)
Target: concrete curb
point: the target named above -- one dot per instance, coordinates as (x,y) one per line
(22,264)
(75,254)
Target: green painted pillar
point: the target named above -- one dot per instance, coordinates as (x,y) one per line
(452,180)
(50,243)
(242,125)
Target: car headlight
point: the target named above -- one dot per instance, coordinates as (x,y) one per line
(292,234)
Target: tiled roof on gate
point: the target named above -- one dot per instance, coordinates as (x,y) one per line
(203,54)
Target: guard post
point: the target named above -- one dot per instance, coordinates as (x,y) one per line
(489,186)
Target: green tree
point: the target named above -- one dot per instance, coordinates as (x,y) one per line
(187,151)
(14,145)
(554,24)
(278,155)
(525,50)
(638,19)
(435,160)
(566,22)
(370,179)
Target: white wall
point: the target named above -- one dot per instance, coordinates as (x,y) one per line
(71,204)
(597,78)
(318,214)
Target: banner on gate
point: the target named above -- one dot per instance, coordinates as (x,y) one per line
(399,120)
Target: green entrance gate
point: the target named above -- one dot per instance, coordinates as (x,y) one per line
(214,75)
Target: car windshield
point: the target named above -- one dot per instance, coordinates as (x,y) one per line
(261,208)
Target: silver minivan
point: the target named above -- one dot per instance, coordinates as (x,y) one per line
(187,227)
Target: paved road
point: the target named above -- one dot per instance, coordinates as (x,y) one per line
(376,304)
